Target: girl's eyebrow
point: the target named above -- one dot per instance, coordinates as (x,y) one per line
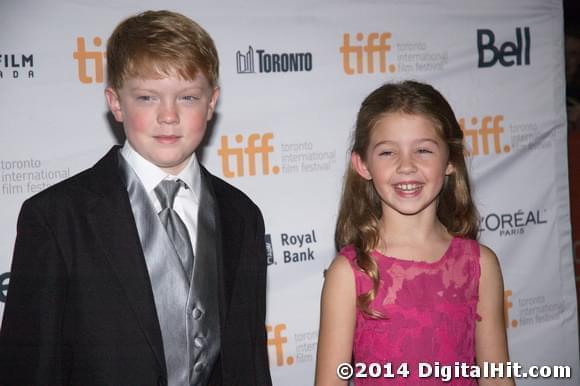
(427,140)
(420,140)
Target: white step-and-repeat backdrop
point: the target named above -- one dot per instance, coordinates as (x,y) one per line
(293,74)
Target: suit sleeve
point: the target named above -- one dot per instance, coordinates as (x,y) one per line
(261,361)
(31,341)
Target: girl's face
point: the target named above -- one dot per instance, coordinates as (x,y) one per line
(407,162)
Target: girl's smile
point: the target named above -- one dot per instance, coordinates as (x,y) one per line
(407,162)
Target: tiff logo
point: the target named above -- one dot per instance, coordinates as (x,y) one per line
(278,341)
(245,62)
(507,305)
(374,48)
(489,126)
(246,155)
(90,59)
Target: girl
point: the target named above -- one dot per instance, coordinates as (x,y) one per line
(411,291)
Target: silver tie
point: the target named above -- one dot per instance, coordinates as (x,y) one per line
(176,229)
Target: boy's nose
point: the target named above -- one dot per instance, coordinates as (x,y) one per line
(168,114)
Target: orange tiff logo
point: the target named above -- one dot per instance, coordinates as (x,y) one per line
(278,341)
(507,305)
(246,155)
(373,47)
(91,67)
(486,129)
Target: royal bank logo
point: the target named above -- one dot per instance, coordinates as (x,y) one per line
(511,53)
(4,279)
(90,61)
(260,61)
(269,250)
(16,66)
(367,53)
(295,247)
(298,247)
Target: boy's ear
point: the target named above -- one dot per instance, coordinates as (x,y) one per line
(114,103)
(213,102)
(359,166)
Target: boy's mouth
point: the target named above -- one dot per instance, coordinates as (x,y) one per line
(167,139)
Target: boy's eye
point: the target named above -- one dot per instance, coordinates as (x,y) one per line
(144,98)
(386,152)
(191,98)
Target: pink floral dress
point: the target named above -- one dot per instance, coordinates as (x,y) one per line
(430,311)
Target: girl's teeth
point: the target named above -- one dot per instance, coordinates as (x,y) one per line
(408,186)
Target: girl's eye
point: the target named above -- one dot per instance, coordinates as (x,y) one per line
(386,153)
(144,98)
(424,151)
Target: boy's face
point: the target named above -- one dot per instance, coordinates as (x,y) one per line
(164,119)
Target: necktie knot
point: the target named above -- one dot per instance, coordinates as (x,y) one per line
(166,191)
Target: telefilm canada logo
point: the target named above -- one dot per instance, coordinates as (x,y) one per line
(514,52)
(261,61)
(16,66)
(296,247)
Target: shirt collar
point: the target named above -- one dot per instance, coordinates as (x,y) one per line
(151,175)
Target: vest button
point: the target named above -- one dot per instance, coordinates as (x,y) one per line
(199,341)
(197,313)
(199,366)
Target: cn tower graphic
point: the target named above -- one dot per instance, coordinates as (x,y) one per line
(245,62)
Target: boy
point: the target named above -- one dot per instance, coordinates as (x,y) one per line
(144,269)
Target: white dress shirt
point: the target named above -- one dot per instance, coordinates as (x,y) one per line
(186,202)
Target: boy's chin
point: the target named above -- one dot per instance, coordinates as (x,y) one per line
(171,166)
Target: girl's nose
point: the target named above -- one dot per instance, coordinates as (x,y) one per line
(406,165)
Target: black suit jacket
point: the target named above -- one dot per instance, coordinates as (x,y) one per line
(80,308)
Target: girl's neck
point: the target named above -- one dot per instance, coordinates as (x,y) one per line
(399,228)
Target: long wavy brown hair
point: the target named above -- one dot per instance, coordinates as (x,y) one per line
(360,207)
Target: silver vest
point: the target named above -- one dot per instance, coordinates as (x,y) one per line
(188,314)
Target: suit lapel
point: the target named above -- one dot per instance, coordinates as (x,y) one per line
(206,178)
(113,223)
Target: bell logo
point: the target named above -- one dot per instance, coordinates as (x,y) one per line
(86,59)
(278,341)
(505,54)
(489,126)
(374,44)
(247,155)
(507,305)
